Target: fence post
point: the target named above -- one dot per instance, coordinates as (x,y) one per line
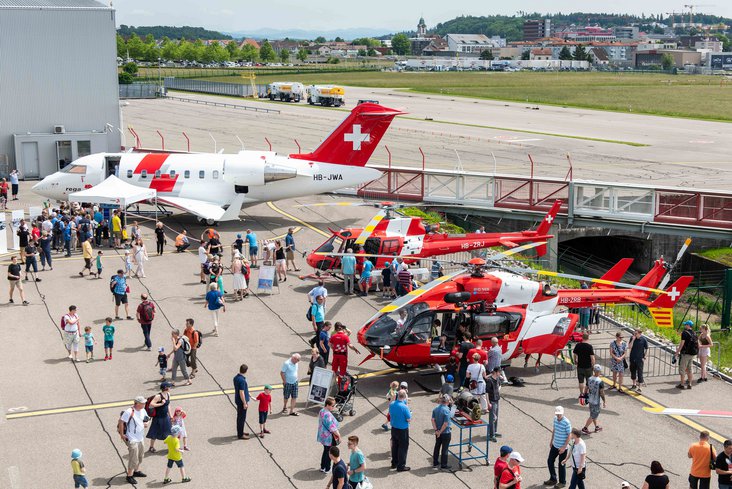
(727,298)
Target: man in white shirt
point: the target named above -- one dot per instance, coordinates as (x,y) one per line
(131,428)
(202,258)
(318,290)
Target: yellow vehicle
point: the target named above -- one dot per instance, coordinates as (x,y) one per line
(326,95)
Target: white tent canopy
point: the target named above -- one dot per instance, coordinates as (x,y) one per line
(114,191)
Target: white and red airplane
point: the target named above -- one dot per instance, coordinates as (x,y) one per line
(215,186)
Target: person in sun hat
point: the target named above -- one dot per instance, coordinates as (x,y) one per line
(77,467)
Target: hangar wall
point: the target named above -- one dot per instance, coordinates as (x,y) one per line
(57,68)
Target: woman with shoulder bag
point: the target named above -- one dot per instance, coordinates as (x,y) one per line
(577,451)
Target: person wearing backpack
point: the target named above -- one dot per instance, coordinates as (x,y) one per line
(181,347)
(195,339)
(131,428)
(158,408)
(145,316)
(686,351)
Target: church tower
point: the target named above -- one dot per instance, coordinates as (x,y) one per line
(421,28)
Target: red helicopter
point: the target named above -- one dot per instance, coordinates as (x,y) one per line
(391,234)
(490,300)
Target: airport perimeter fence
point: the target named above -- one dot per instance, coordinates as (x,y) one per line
(222,104)
(139,90)
(215,88)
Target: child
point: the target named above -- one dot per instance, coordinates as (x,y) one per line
(391,395)
(177,420)
(265,406)
(175,456)
(162,362)
(89,343)
(388,290)
(108,330)
(128,263)
(77,466)
(99,264)
(125,237)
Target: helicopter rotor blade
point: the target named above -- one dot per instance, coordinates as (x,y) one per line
(416,293)
(622,285)
(513,251)
(369,229)
(680,254)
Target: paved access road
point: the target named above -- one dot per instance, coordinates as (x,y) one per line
(679,152)
(262,331)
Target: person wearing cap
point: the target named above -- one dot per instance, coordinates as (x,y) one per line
(401,416)
(627,484)
(78,469)
(595,390)
(723,466)
(686,351)
(348,269)
(441,425)
(447,387)
(493,391)
(557,446)
(657,479)
(578,454)
(500,464)
(131,428)
(175,456)
(511,476)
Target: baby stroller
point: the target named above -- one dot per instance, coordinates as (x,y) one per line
(346,391)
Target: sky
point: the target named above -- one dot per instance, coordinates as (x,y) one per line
(393,16)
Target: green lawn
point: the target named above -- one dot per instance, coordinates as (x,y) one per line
(702,97)
(721,255)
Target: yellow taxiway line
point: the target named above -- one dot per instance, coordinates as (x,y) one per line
(297,220)
(193,395)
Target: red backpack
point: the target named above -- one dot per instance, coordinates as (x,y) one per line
(148,313)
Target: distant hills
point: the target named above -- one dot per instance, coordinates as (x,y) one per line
(172,32)
(352,33)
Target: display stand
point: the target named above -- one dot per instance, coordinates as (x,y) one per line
(467,448)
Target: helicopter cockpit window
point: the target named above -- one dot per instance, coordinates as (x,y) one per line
(330,246)
(420,329)
(390,328)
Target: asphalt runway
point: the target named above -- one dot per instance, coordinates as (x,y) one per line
(462,131)
(80,403)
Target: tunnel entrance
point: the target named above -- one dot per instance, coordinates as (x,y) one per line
(594,255)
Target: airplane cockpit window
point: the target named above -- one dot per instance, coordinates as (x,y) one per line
(74,169)
(129,173)
(389,328)
(330,246)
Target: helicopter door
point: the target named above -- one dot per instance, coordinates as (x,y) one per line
(448,328)
(371,247)
(420,329)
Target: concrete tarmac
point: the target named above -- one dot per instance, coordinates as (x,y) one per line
(262,331)
(462,131)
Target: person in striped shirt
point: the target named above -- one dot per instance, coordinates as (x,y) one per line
(558,446)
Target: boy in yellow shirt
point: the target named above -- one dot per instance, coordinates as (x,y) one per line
(77,466)
(175,456)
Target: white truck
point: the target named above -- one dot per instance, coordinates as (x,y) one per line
(326,95)
(286,91)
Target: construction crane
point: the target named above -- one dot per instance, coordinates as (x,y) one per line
(673,18)
(251,76)
(691,10)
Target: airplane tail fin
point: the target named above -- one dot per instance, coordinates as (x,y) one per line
(615,274)
(355,139)
(546,224)
(662,309)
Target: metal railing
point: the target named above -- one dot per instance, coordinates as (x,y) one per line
(216,88)
(581,198)
(139,90)
(223,104)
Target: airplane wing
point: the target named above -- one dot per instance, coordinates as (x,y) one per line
(198,208)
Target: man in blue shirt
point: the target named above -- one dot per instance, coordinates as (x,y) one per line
(348,268)
(290,249)
(290,379)
(241,398)
(253,247)
(119,289)
(67,236)
(400,418)
(324,342)
(558,446)
(441,425)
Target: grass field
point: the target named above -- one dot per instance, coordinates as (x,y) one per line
(700,97)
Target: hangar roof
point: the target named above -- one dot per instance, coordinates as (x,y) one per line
(52,4)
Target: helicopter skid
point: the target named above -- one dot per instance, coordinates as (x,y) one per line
(318,275)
